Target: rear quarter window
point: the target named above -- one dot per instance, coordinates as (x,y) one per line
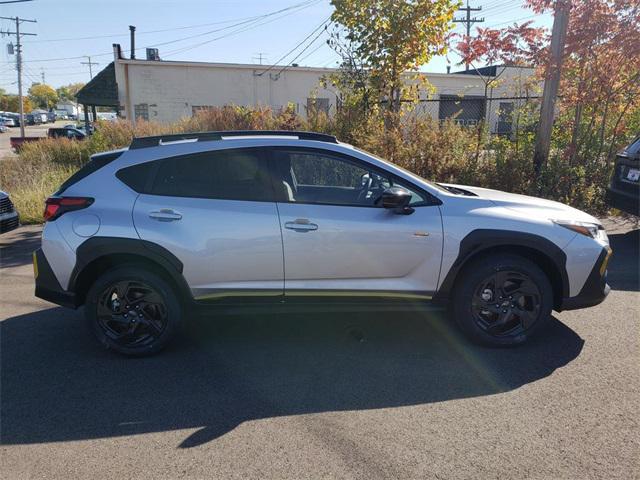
(137,177)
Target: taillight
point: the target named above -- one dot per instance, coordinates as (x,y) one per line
(54,207)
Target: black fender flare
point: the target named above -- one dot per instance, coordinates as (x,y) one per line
(98,247)
(486,239)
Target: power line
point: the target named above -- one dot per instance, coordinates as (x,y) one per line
(297,7)
(240,30)
(301,52)
(163,30)
(294,48)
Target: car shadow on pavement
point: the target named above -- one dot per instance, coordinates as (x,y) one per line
(58,385)
(623,272)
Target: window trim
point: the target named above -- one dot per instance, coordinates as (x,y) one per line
(430,199)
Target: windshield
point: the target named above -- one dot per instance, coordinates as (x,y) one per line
(408,172)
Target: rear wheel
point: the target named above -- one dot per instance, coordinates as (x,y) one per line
(502,300)
(133,311)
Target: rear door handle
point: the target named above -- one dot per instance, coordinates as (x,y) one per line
(301,225)
(165,215)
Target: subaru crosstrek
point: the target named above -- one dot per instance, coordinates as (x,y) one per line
(143,235)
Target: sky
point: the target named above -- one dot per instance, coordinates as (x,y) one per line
(198,30)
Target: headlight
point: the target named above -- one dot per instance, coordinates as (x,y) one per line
(593,230)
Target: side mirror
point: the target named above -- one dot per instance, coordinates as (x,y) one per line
(397,199)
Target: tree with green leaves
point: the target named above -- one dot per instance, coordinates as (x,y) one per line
(69,92)
(392,37)
(43,96)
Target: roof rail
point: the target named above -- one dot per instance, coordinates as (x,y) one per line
(145,142)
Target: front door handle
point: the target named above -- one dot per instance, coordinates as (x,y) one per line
(165,215)
(301,225)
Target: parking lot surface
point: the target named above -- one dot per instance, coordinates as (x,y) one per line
(358,395)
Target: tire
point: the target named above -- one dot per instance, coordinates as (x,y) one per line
(517,309)
(133,311)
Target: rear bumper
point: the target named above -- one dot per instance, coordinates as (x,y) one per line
(625,201)
(47,286)
(595,289)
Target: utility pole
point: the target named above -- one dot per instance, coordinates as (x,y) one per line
(90,63)
(551,84)
(259,56)
(42,76)
(19,62)
(469,21)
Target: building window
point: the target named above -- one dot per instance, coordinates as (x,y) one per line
(463,110)
(318,105)
(141,111)
(504,125)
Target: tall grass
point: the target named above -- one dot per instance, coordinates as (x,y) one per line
(30,184)
(442,151)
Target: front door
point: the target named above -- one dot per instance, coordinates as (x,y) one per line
(215,212)
(338,240)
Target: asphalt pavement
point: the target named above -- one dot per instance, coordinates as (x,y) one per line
(358,395)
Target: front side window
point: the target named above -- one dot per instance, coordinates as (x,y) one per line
(224,174)
(317,177)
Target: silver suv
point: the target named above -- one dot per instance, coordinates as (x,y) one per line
(144,235)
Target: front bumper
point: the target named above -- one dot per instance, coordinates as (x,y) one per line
(595,289)
(9,221)
(47,286)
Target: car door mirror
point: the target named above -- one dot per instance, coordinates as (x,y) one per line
(397,199)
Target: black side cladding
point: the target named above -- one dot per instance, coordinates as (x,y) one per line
(484,239)
(97,161)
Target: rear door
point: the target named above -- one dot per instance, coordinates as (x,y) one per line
(338,240)
(215,211)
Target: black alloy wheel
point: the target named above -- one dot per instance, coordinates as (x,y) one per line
(506,303)
(502,299)
(132,314)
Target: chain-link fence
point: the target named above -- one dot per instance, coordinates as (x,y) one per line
(501,115)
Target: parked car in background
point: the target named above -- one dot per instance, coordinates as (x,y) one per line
(8,121)
(32,119)
(51,117)
(66,132)
(9,218)
(62,115)
(81,127)
(17,142)
(141,236)
(3,127)
(15,117)
(624,191)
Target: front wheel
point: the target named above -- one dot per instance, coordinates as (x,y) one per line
(502,300)
(132,311)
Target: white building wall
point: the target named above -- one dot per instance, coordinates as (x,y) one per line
(172,90)
(169,91)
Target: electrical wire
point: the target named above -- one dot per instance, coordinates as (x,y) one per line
(296,47)
(148,32)
(296,7)
(301,52)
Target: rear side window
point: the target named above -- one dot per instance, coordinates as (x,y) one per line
(227,174)
(137,177)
